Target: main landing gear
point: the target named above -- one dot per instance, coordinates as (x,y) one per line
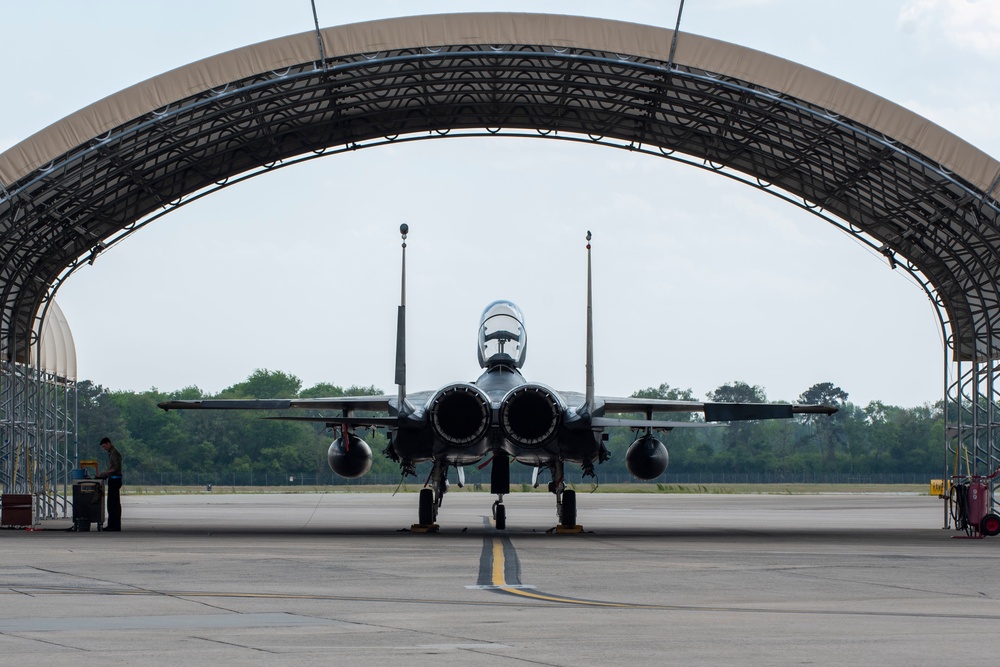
(565,501)
(427,512)
(431,497)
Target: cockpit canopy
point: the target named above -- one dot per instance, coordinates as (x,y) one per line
(502,338)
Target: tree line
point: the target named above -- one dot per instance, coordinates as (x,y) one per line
(869,439)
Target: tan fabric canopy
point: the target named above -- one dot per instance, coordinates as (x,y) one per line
(901,184)
(777,74)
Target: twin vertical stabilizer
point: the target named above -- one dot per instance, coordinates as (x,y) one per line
(401,327)
(401,330)
(589,405)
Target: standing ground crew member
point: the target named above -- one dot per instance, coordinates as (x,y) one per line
(114,476)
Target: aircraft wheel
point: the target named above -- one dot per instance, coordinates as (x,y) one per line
(568,514)
(990,525)
(501,517)
(426,509)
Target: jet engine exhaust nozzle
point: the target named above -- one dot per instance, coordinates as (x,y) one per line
(460,414)
(530,415)
(647,457)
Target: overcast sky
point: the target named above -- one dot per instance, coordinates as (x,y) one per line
(698,281)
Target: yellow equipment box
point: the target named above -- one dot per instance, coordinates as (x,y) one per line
(90,463)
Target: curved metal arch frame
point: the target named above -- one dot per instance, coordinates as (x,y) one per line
(161,116)
(100,193)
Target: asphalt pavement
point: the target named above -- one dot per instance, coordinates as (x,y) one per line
(326,579)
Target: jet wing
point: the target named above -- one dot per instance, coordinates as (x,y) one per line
(345,403)
(714,412)
(343,421)
(609,422)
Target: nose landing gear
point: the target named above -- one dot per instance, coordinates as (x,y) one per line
(500,485)
(500,514)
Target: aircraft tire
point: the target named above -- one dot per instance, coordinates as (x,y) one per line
(426,508)
(567,516)
(501,517)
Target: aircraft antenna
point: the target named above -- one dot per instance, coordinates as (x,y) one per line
(590,334)
(401,326)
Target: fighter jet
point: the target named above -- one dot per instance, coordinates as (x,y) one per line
(500,418)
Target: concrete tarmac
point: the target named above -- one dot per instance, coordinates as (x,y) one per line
(665,579)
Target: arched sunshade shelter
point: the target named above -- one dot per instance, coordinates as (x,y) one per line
(919,194)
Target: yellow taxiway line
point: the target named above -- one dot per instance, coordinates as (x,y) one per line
(499,581)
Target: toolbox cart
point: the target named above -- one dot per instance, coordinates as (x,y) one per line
(88,504)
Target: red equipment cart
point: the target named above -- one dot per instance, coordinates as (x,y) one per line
(971,505)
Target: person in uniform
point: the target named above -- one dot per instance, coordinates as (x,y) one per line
(114,485)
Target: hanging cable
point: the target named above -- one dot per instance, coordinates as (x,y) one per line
(673,40)
(319,35)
